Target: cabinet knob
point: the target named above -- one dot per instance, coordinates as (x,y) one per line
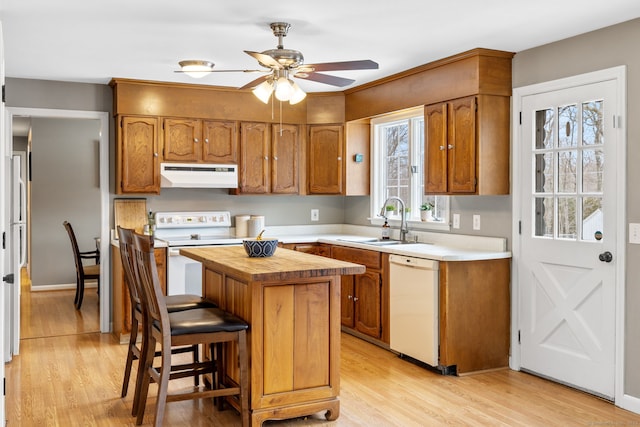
(449,146)
(266,158)
(155,154)
(206,140)
(441,147)
(355,299)
(195,140)
(275,157)
(339,158)
(349,297)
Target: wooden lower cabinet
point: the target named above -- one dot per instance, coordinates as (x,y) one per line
(120,291)
(474,315)
(361,300)
(313,248)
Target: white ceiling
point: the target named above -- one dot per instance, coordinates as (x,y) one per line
(96,40)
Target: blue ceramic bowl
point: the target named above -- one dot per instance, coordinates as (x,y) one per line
(260,248)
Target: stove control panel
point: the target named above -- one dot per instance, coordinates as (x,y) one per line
(192,219)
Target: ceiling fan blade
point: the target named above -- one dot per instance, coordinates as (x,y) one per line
(326,79)
(256,82)
(365,64)
(265,59)
(223,71)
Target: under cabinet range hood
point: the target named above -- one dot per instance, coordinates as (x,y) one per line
(198,175)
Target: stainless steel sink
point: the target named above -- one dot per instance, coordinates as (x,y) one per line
(377,242)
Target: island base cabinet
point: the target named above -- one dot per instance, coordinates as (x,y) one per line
(294,342)
(474,315)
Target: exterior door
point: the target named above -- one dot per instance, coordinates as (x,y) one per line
(567,271)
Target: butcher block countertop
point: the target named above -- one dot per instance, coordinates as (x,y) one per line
(284,265)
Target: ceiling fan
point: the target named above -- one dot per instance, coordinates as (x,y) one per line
(281,65)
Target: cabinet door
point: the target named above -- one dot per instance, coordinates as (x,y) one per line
(325,159)
(220,141)
(435,153)
(461,151)
(284,159)
(254,158)
(182,140)
(347,292)
(139,165)
(367,305)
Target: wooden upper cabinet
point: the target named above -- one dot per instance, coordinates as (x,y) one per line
(220,141)
(138,165)
(269,158)
(254,158)
(284,159)
(182,140)
(467,146)
(194,140)
(326,144)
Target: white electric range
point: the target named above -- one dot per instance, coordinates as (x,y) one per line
(187,229)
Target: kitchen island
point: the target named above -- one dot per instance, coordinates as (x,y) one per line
(292,304)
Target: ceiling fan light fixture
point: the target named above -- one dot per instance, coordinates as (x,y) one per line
(196,68)
(263,91)
(298,94)
(284,89)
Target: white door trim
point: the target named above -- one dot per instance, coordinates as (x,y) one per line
(105,238)
(619,75)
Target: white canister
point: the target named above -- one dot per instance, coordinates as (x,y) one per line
(255,225)
(241,225)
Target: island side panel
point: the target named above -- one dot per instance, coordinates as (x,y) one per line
(294,341)
(295,344)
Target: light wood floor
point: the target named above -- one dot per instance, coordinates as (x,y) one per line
(68,374)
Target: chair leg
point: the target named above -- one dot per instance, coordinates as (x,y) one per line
(244,378)
(163,386)
(143,379)
(80,294)
(130,356)
(195,349)
(75,298)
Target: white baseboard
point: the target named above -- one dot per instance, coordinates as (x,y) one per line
(93,284)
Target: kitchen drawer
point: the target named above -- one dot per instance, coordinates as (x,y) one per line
(370,259)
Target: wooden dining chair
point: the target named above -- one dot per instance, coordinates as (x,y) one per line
(206,326)
(174,303)
(83,272)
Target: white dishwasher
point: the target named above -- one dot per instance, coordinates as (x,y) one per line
(413,308)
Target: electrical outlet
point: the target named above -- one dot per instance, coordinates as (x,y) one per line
(634,233)
(456,220)
(315,214)
(476,222)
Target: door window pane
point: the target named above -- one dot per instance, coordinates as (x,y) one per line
(544,129)
(592,129)
(592,170)
(543,216)
(566,217)
(544,173)
(592,218)
(567,161)
(567,126)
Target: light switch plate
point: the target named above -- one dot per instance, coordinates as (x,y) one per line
(315,214)
(476,222)
(456,220)
(634,233)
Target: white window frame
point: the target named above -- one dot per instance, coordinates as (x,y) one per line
(378,178)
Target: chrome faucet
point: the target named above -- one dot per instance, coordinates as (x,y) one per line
(404,229)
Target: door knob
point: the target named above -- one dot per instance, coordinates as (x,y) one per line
(605,256)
